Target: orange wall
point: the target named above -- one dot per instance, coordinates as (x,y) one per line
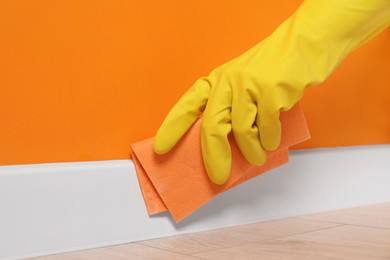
(81,80)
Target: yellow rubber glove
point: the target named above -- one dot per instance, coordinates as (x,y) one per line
(246,94)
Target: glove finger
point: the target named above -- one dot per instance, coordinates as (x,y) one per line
(182,116)
(246,133)
(216,126)
(270,128)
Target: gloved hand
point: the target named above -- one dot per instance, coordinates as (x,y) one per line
(246,95)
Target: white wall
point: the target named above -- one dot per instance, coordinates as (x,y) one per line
(51,208)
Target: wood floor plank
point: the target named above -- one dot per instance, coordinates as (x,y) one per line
(348,234)
(343,242)
(282,249)
(288,226)
(121,252)
(377,215)
(209,240)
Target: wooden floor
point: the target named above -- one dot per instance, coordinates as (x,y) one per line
(356,233)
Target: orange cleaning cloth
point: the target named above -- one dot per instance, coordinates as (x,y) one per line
(178,182)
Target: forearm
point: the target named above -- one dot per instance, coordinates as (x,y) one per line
(334,28)
(306,48)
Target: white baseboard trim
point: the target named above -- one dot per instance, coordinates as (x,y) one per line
(60,207)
